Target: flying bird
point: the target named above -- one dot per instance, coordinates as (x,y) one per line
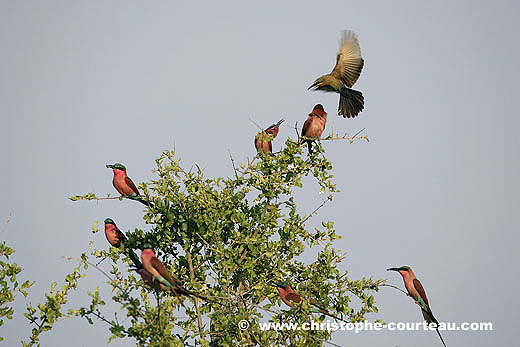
(290,297)
(314,125)
(416,291)
(124,185)
(116,237)
(346,72)
(263,140)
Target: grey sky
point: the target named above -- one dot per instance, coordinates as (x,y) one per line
(84,84)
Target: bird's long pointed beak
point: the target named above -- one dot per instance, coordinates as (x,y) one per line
(280,121)
(313,85)
(393,269)
(110,166)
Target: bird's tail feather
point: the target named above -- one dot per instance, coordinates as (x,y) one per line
(442,340)
(350,105)
(134,258)
(140,199)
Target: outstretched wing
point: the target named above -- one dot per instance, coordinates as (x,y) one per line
(348,62)
(131,184)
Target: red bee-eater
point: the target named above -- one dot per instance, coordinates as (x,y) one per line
(314,125)
(416,291)
(290,297)
(116,237)
(149,281)
(346,72)
(124,185)
(160,274)
(263,140)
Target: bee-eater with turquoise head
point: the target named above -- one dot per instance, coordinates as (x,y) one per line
(124,185)
(345,73)
(263,140)
(416,291)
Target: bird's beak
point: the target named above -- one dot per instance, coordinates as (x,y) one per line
(110,166)
(313,85)
(280,122)
(393,269)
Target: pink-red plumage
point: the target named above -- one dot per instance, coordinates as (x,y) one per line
(157,269)
(263,140)
(416,291)
(149,280)
(289,296)
(114,235)
(123,183)
(315,124)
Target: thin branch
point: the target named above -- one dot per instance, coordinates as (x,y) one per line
(392,286)
(196,300)
(7,221)
(233,163)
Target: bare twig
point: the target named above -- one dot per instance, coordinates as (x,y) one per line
(233,163)
(392,286)
(7,221)
(195,299)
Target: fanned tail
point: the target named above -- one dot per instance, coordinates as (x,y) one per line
(351,102)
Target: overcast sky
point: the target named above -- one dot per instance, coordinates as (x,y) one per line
(84,84)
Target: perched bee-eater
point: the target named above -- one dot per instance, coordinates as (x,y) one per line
(314,125)
(290,297)
(160,274)
(416,291)
(263,140)
(346,72)
(116,237)
(149,281)
(124,185)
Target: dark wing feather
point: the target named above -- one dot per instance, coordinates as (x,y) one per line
(157,265)
(306,126)
(418,286)
(131,184)
(348,61)
(120,236)
(294,297)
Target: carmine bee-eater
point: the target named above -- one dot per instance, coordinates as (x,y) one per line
(416,291)
(263,140)
(346,72)
(149,281)
(124,185)
(290,297)
(160,274)
(314,125)
(116,237)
